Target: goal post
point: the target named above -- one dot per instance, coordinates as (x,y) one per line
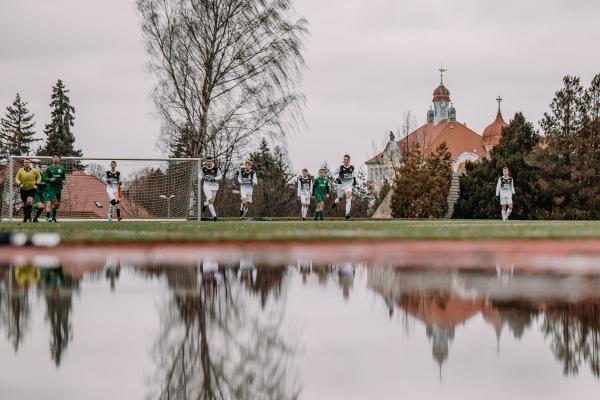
(153,188)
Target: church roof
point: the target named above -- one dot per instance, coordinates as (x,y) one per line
(492,134)
(458,138)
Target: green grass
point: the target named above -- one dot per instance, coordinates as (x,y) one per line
(310,231)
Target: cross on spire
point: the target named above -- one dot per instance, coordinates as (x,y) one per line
(442,70)
(499,100)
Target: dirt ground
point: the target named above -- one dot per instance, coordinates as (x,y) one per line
(535,256)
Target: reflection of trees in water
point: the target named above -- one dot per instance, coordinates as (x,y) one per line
(15,313)
(218,342)
(574,331)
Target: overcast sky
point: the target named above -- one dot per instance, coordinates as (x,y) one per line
(369,62)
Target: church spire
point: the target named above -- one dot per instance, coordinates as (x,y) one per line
(499,100)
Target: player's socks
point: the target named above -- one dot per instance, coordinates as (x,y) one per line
(348,205)
(244,212)
(212,210)
(110,211)
(503,215)
(119,214)
(508,213)
(54,213)
(38,212)
(47,216)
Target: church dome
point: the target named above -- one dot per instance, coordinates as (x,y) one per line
(492,134)
(441,93)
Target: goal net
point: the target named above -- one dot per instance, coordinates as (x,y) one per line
(151,189)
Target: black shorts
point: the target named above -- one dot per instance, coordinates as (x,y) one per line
(27,193)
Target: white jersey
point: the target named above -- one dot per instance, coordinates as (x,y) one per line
(505,187)
(213,176)
(304,186)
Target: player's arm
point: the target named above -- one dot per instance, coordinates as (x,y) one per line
(240,177)
(38,177)
(219,175)
(299,185)
(512,185)
(254,178)
(18,177)
(201,174)
(498,188)
(336,175)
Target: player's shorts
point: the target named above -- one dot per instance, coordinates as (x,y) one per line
(26,193)
(209,193)
(246,193)
(53,193)
(320,198)
(344,188)
(40,198)
(112,193)
(305,198)
(504,200)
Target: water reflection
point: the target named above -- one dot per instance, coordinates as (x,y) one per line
(227,330)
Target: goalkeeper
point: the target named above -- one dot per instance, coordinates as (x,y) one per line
(113,185)
(320,193)
(345,176)
(211,175)
(56,176)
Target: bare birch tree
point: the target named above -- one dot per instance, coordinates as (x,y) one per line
(226,72)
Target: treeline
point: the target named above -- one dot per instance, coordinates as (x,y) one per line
(557,176)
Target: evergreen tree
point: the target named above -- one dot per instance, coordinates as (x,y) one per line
(17,130)
(60,139)
(438,170)
(275,194)
(478,184)
(568,163)
(406,201)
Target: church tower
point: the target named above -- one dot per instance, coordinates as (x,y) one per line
(493,133)
(441,101)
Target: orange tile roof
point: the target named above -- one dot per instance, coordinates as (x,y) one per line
(493,133)
(458,138)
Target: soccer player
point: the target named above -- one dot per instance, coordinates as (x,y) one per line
(56,176)
(41,201)
(113,183)
(320,193)
(211,175)
(345,176)
(304,191)
(505,188)
(247,179)
(27,178)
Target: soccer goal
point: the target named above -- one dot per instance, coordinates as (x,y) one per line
(152,188)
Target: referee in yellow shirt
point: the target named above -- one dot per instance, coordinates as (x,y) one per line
(27,179)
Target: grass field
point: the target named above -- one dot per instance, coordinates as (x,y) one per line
(81,232)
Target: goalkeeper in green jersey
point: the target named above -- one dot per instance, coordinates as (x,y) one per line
(55,175)
(320,193)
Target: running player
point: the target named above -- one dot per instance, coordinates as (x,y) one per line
(304,192)
(113,182)
(320,193)
(247,179)
(55,176)
(211,175)
(505,188)
(27,178)
(345,176)
(40,199)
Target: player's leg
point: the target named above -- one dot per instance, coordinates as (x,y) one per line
(56,204)
(30,194)
(348,201)
(211,206)
(340,196)
(503,204)
(23,194)
(118,207)
(510,206)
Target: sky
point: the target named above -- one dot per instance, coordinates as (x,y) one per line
(369,62)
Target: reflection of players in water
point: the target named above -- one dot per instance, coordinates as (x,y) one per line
(505,272)
(209,277)
(112,270)
(305,268)
(59,295)
(247,272)
(346,277)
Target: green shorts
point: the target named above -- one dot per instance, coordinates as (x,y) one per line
(319,198)
(53,194)
(40,198)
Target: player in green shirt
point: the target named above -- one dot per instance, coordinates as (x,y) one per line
(55,175)
(320,193)
(40,199)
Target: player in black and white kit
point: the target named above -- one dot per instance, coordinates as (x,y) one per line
(345,176)
(211,175)
(113,181)
(304,191)
(247,179)
(505,188)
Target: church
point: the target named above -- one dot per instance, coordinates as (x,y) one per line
(463,144)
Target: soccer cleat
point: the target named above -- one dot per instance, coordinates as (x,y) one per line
(203,207)
(321,218)
(110,217)
(29,219)
(242,219)
(215,218)
(47,219)
(25,218)
(54,220)
(120,218)
(35,220)
(347,216)
(316,219)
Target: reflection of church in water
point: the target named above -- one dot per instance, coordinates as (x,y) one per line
(444,303)
(442,126)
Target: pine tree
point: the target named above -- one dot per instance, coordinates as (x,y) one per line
(60,139)
(408,185)
(438,170)
(478,184)
(17,130)
(568,163)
